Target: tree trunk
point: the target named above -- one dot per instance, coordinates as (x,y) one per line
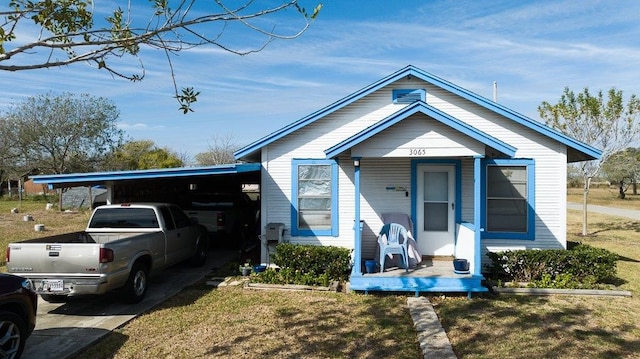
(635,187)
(621,194)
(587,183)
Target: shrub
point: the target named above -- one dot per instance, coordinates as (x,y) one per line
(581,265)
(307,265)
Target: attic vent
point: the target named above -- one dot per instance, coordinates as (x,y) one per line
(406,96)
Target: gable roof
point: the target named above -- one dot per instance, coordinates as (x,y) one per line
(576,150)
(424,108)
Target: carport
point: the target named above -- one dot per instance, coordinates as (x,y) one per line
(182,186)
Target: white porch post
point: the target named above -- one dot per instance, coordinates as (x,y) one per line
(357,255)
(477,205)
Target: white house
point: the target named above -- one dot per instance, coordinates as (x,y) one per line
(471,176)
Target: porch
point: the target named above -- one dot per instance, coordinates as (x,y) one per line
(430,275)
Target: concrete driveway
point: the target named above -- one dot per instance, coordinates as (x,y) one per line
(64,330)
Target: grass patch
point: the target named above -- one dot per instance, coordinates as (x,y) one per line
(234,322)
(556,326)
(605,197)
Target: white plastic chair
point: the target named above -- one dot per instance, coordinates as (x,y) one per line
(393,244)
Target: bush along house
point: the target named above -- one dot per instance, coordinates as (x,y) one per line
(462,174)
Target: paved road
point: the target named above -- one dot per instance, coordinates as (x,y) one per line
(64,330)
(620,212)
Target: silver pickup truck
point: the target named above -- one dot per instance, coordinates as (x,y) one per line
(121,247)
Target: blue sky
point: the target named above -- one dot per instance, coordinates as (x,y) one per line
(532,49)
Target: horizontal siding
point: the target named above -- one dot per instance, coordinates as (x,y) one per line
(419,132)
(387,170)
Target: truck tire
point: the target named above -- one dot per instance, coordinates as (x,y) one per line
(54,298)
(200,257)
(136,286)
(13,334)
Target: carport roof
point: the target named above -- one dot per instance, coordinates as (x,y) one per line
(92,178)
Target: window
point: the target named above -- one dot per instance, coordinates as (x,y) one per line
(407,96)
(509,199)
(124,218)
(314,198)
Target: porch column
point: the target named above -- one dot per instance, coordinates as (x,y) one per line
(357,248)
(478,208)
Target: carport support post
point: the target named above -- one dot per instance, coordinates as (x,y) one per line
(356,222)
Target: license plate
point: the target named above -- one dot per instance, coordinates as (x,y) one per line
(53,285)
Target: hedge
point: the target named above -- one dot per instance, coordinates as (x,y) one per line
(581,264)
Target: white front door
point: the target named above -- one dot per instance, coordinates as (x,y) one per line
(435,209)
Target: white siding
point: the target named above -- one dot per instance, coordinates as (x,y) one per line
(388,169)
(416,135)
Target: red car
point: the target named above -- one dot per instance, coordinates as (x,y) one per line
(18,305)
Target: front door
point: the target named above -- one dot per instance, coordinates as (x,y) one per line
(435,209)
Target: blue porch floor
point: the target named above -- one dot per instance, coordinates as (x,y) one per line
(429,276)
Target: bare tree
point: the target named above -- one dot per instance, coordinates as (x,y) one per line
(220,151)
(68,32)
(607,124)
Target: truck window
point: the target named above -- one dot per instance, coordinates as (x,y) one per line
(166,216)
(180,217)
(124,218)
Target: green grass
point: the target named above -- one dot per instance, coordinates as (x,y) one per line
(239,323)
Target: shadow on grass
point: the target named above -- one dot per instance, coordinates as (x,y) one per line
(331,325)
(616,226)
(526,327)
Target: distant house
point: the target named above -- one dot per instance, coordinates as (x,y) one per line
(470,174)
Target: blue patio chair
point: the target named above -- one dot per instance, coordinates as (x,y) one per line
(394,245)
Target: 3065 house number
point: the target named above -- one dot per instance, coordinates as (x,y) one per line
(417,151)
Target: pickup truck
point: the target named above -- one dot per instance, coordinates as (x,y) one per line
(121,247)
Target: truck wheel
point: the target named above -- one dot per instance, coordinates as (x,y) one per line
(136,286)
(13,334)
(54,298)
(200,257)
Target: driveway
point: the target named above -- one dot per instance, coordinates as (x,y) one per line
(619,212)
(64,330)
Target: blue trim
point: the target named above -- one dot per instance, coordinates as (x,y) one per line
(414,186)
(453,283)
(357,257)
(531,199)
(428,110)
(585,151)
(295,231)
(477,214)
(143,174)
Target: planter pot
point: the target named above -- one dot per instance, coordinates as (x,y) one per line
(246,271)
(371,266)
(461,265)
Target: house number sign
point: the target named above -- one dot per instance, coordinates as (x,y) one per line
(417,151)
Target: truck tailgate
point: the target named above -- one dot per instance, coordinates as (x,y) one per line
(58,258)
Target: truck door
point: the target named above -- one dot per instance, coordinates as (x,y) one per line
(181,235)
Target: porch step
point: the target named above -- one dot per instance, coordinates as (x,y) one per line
(452,284)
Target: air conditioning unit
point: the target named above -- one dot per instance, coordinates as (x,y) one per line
(275,232)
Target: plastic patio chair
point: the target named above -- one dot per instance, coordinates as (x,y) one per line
(393,245)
